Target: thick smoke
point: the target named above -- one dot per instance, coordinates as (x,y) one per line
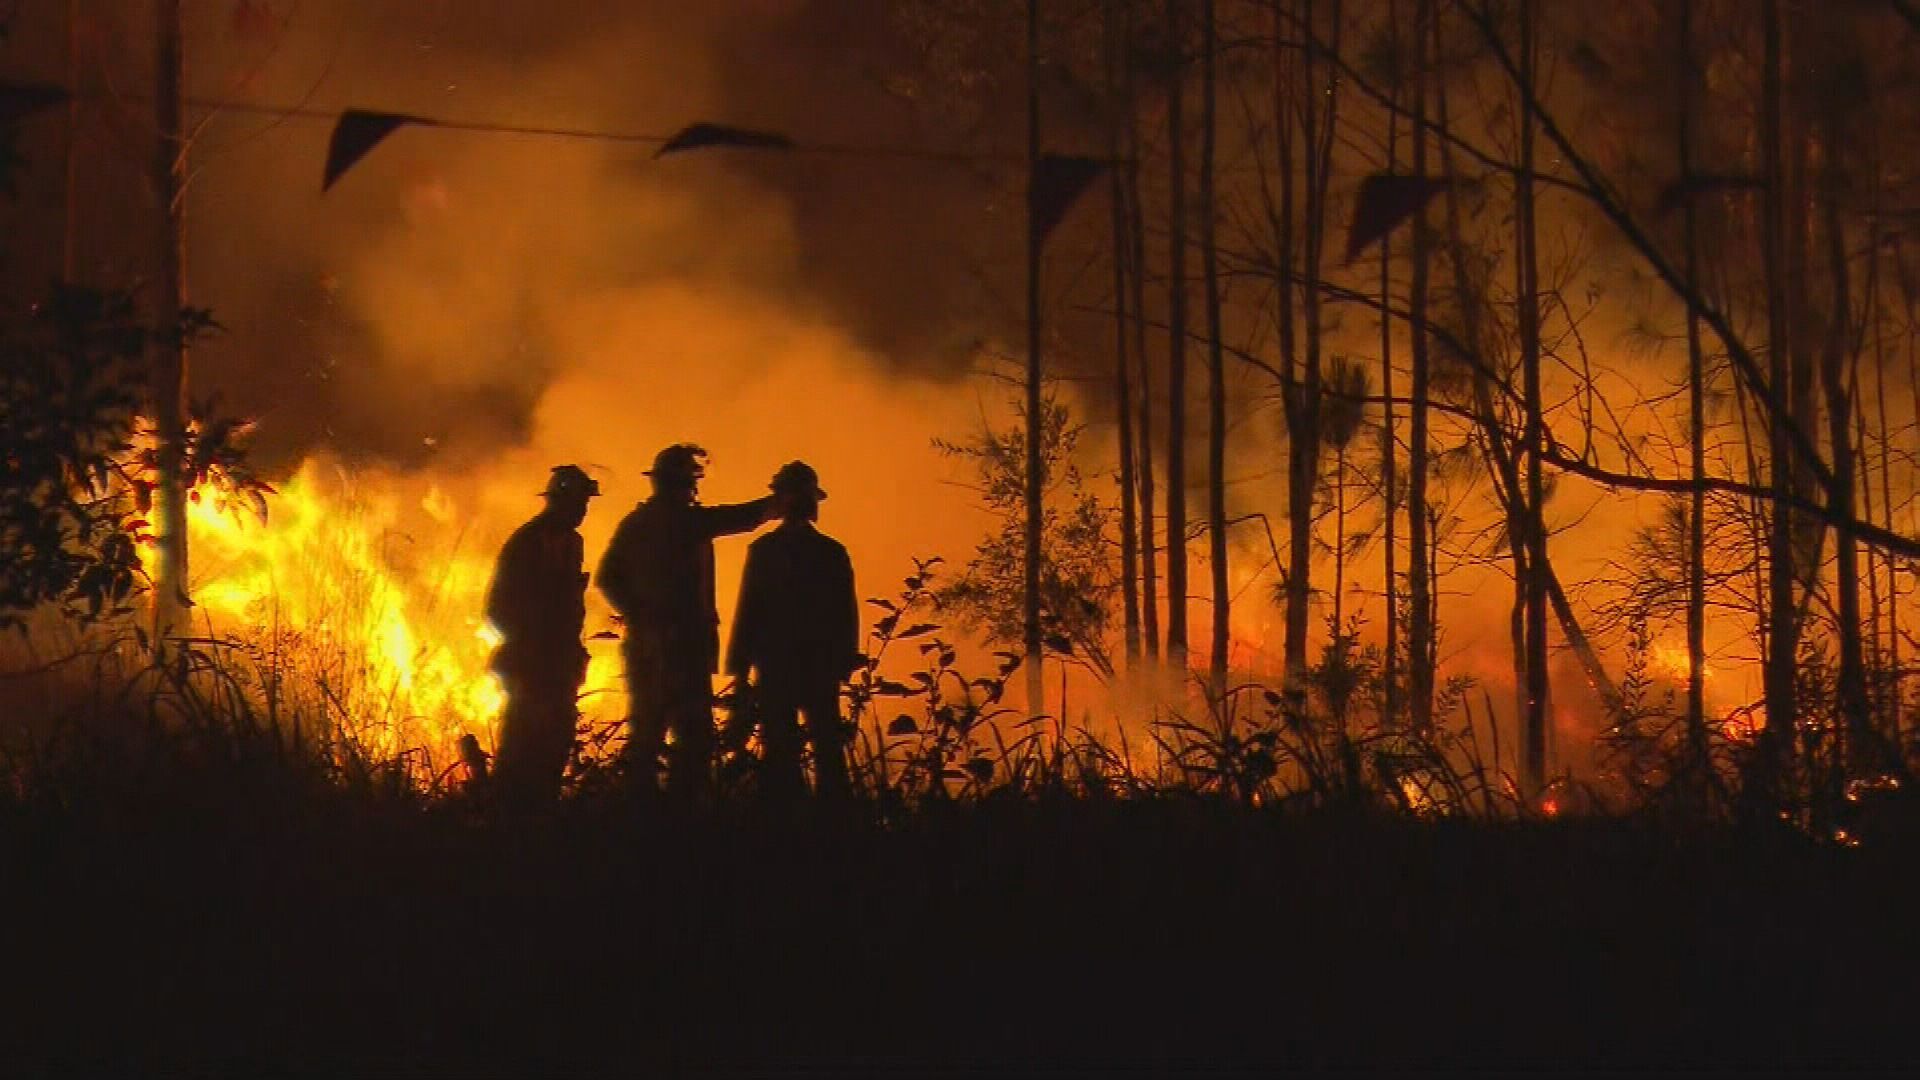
(407,317)
(473,308)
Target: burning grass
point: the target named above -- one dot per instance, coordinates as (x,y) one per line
(208,884)
(357,604)
(264,855)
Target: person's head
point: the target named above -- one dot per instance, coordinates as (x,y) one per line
(677,472)
(796,491)
(568,489)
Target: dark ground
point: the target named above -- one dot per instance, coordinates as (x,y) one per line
(343,941)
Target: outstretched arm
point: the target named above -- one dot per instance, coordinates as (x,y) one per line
(728,519)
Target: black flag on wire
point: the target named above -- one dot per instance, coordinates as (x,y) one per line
(355,135)
(703,135)
(1383,202)
(1058,179)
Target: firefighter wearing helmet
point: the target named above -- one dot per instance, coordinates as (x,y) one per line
(796,631)
(658,575)
(537,603)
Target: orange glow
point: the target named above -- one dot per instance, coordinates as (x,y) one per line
(371,595)
(1671,661)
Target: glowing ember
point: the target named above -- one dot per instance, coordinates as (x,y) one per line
(1671,661)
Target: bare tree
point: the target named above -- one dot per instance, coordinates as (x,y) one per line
(1036,479)
(1527,298)
(1137,238)
(1834,367)
(1315,96)
(1349,388)
(1421,654)
(1216,365)
(1389,452)
(1176,343)
(1782,634)
(170,350)
(1114,39)
(1696,730)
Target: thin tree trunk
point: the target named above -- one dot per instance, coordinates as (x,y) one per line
(1216,370)
(1339,535)
(70,218)
(1036,421)
(1305,439)
(1504,461)
(1302,469)
(1284,92)
(1389,453)
(1833,372)
(1583,649)
(1758,517)
(1122,369)
(1534,509)
(1894,703)
(1137,237)
(170,360)
(1696,729)
(1875,643)
(1149,548)
(1176,348)
(1509,466)
(1782,628)
(1420,643)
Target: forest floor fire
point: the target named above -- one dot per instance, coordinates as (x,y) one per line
(1362,535)
(363,599)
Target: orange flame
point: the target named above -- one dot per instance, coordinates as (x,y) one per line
(383,616)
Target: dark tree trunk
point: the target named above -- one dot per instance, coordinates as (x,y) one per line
(1527,296)
(1881,360)
(1420,643)
(1176,347)
(1389,453)
(1782,626)
(1137,239)
(1116,56)
(1855,720)
(1305,438)
(1216,371)
(1036,482)
(1696,729)
(170,354)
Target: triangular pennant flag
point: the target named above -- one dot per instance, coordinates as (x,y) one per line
(703,135)
(1384,201)
(1058,179)
(355,135)
(17,99)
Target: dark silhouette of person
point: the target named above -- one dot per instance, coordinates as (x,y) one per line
(537,603)
(797,632)
(658,574)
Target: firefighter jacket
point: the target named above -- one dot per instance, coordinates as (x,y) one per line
(798,620)
(658,574)
(537,600)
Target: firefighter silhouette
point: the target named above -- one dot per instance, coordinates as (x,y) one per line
(796,631)
(658,574)
(537,603)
